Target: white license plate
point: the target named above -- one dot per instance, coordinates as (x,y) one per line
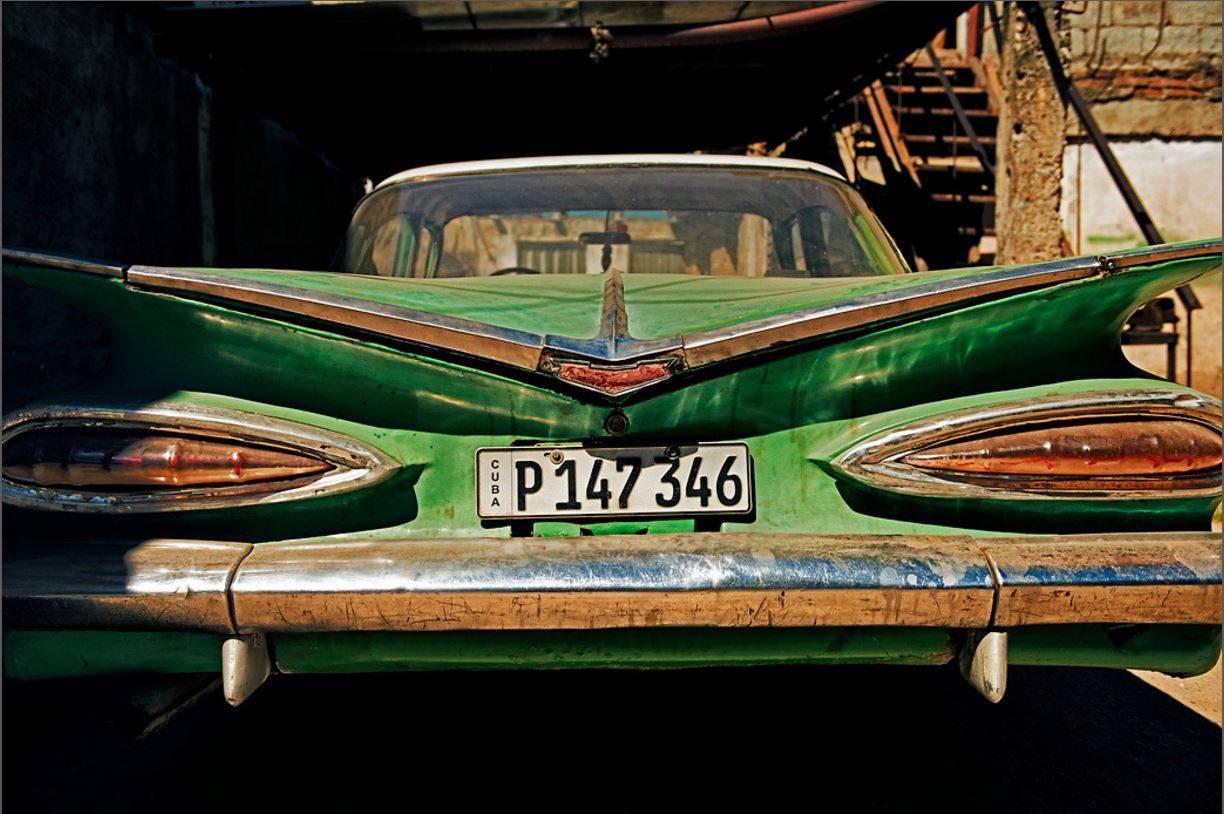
(542,482)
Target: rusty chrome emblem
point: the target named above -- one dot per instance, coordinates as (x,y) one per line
(611,362)
(613,380)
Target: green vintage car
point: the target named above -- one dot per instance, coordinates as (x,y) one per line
(614,411)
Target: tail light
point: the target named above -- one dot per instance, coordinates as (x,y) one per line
(120,459)
(1090,455)
(165,457)
(1109,445)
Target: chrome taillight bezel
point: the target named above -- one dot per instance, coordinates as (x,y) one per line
(354,465)
(877,462)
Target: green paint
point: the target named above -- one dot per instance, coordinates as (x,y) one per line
(1174,649)
(648,648)
(567,305)
(36,654)
(992,346)
(793,410)
(661,305)
(1185,650)
(1055,516)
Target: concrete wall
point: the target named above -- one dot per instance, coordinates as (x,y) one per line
(1179,183)
(1031,137)
(1151,71)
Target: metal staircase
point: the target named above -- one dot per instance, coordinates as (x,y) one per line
(908,124)
(920,145)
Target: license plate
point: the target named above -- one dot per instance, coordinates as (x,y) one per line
(595,482)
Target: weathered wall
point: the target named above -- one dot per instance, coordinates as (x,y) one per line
(1151,72)
(1031,136)
(1178,181)
(1149,67)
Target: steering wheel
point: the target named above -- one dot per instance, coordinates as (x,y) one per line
(514,270)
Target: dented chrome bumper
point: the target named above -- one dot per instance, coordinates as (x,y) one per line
(684,580)
(982,586)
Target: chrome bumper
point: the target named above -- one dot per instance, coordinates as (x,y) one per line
(684,580)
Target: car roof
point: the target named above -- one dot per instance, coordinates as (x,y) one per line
(623,160)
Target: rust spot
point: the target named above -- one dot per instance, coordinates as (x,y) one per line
(612,380)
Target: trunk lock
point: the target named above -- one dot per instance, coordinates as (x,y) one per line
(616,423)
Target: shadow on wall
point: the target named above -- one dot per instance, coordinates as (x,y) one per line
(116,154)
(112,153)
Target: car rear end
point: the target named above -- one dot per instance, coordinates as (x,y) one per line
(309,472)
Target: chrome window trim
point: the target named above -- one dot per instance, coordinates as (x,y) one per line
(874,462)
(1147,255)
(355,465)
(505,165)
(57,262)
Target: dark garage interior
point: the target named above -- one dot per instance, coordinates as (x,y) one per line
(200,134)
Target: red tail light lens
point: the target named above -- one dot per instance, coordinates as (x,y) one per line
(175,456)
(120,459)
(1109,449)
(1137,444)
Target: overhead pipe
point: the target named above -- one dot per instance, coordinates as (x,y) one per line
(739,31)
(757,28)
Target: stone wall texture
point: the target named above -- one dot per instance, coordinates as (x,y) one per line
(1150,67)
(1031,137)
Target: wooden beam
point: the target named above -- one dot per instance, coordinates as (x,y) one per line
(986,72)
(973,32)
(877,123)
(845,148)
(893,130)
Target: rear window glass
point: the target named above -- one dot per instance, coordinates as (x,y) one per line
(659,220)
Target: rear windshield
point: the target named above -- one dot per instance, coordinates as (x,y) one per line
(660,220)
